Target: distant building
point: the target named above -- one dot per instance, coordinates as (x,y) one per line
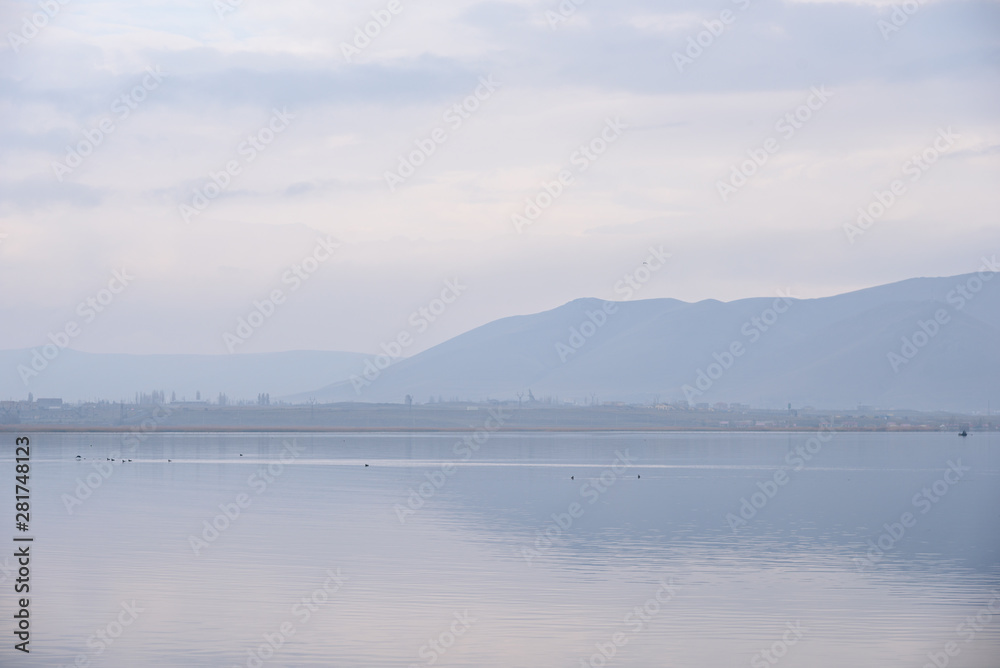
(49,403)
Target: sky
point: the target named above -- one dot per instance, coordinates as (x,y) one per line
(170,168)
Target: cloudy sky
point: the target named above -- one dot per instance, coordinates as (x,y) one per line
(116,116)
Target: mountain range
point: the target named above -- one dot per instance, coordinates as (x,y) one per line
(922,344)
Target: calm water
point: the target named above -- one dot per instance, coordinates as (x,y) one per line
(505,560)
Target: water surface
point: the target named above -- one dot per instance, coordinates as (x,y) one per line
(532,550)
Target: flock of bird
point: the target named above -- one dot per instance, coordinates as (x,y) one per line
(111,459)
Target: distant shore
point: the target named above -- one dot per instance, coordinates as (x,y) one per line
(85,429)
(469,417)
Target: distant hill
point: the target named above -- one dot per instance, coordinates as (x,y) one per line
(76,376)
(830,352)
(833,352)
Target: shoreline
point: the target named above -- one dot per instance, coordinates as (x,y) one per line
(68,429)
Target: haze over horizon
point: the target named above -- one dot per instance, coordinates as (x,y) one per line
(924,344)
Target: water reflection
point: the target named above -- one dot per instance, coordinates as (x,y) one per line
(528,554)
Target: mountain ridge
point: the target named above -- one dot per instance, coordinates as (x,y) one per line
(837,351)
(659,349)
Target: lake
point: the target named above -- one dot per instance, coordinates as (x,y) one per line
(510,549)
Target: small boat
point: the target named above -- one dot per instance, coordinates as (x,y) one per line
(963,433)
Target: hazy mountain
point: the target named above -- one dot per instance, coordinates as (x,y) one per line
(834,352)
(830,352)
(75,375)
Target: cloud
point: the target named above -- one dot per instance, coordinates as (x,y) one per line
(355,121)
(40,193)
